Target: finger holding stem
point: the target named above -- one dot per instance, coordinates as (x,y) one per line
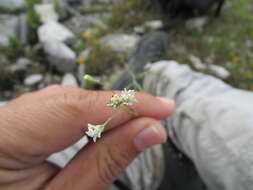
(120,102)
(130,111)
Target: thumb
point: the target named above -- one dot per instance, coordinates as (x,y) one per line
(98,164)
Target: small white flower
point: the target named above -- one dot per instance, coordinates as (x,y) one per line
(95,131)
(126,98)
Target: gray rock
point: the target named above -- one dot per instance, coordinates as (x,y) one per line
(22,29)
(79,24)
(3,59)
(91,4)
(87,4)
(20,65)
(75,1)
(47,13)
(66,1)
(60,56)
(151,25)
(52,35)
(69,80)
(33,79)
(63,11)
(197,23)
(8,28)
(154,24)
(53,31)
(122,43)
(214,69)
(249,43)
(109,1)
(196,61)
(139,30)
(11,5)
(219,71)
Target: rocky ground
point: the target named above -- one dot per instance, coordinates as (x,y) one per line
(55,48)
(46,42)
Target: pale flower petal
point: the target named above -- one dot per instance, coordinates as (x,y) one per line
(95,131)
(126,98)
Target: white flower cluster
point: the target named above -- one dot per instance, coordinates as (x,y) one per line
(95,131)
(126,98)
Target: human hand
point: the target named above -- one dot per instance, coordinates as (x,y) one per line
(41,123)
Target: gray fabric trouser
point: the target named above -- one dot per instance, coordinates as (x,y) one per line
(213,126)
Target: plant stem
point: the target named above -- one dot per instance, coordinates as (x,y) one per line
(135,82)
(130,111)
(110,118)
(107,121)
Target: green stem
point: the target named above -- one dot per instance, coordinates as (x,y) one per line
(135,82)
(130,86)
(130,111)
(109,119)
(138,86)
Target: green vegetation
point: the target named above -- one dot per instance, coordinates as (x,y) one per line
(7,79)
(56,5)
(94,10)
(102,59)
(13,50)
(128,14)
(224,40)
(33,20)
(13,11)
(124,16)
(76,45)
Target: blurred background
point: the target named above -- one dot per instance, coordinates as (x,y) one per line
(44,42)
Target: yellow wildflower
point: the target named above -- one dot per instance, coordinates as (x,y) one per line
(81,61)
(235,59)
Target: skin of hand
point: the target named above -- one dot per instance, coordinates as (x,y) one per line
(38,124)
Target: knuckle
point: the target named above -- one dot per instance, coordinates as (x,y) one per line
(70,98)
(92,99)
(51,89)
(59,89)
(73,99)
(111,163)
(146,121)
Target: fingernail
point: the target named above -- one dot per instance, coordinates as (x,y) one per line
(149,137)
(171,103)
